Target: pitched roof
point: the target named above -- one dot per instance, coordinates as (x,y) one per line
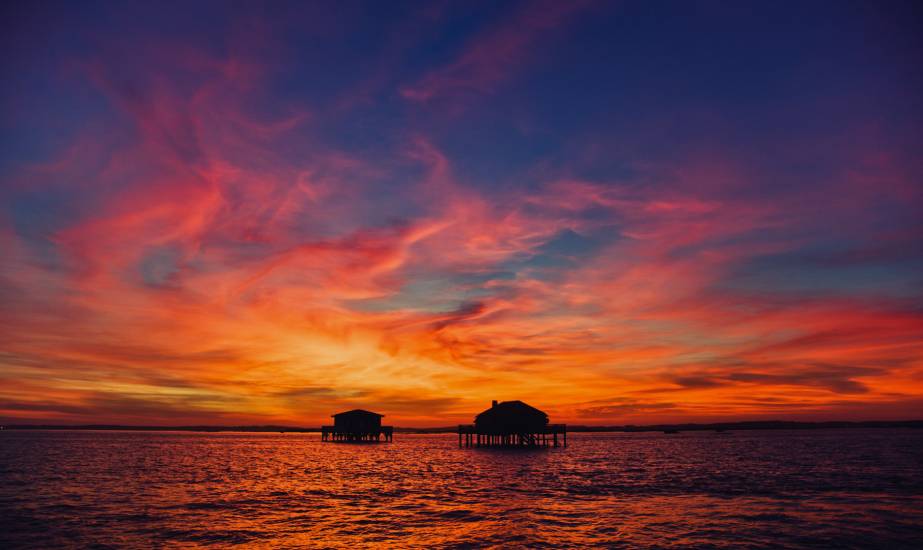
(358,412)
(511,408)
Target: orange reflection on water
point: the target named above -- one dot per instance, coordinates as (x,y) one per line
(141,490)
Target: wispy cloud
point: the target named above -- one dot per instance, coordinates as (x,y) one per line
(493,55)
(212,242)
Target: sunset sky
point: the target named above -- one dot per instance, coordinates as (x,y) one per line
(619,212)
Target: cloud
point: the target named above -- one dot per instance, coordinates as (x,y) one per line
(494,54)
(214,240)
(622,407)
(837,379)
(834,378)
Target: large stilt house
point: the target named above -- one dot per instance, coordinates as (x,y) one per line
(511,424)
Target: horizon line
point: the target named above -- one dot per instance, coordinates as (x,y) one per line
(689,426)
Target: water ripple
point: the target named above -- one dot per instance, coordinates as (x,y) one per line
(845,489)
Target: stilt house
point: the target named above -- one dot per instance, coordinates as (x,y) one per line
(357,425)
(511,424)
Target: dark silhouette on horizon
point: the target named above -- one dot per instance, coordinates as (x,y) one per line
(511,424)
(357,426)
(629,428)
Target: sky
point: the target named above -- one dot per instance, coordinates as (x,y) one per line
(619,212)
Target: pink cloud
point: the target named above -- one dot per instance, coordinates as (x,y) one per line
(215,275)
(491,56)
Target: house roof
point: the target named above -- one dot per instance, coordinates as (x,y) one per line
(358,412)
(511,409)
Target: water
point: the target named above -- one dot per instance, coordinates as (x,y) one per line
(828,489)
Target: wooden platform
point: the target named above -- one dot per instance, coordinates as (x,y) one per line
(330,433)
(468,436)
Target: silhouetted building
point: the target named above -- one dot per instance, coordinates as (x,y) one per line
(511,424)
(357,425)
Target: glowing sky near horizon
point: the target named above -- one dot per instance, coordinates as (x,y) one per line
(626,212)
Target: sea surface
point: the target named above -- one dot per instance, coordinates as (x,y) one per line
(746,489)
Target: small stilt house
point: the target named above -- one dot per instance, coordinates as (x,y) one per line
(511,424)
(355,426)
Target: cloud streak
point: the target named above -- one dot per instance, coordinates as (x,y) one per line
(492,55)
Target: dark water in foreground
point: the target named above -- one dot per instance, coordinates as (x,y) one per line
(830,489)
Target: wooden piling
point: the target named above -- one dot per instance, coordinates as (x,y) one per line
(468,436)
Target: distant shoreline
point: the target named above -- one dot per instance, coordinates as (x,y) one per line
(717,426)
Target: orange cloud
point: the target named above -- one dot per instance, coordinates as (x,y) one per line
(224,265)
